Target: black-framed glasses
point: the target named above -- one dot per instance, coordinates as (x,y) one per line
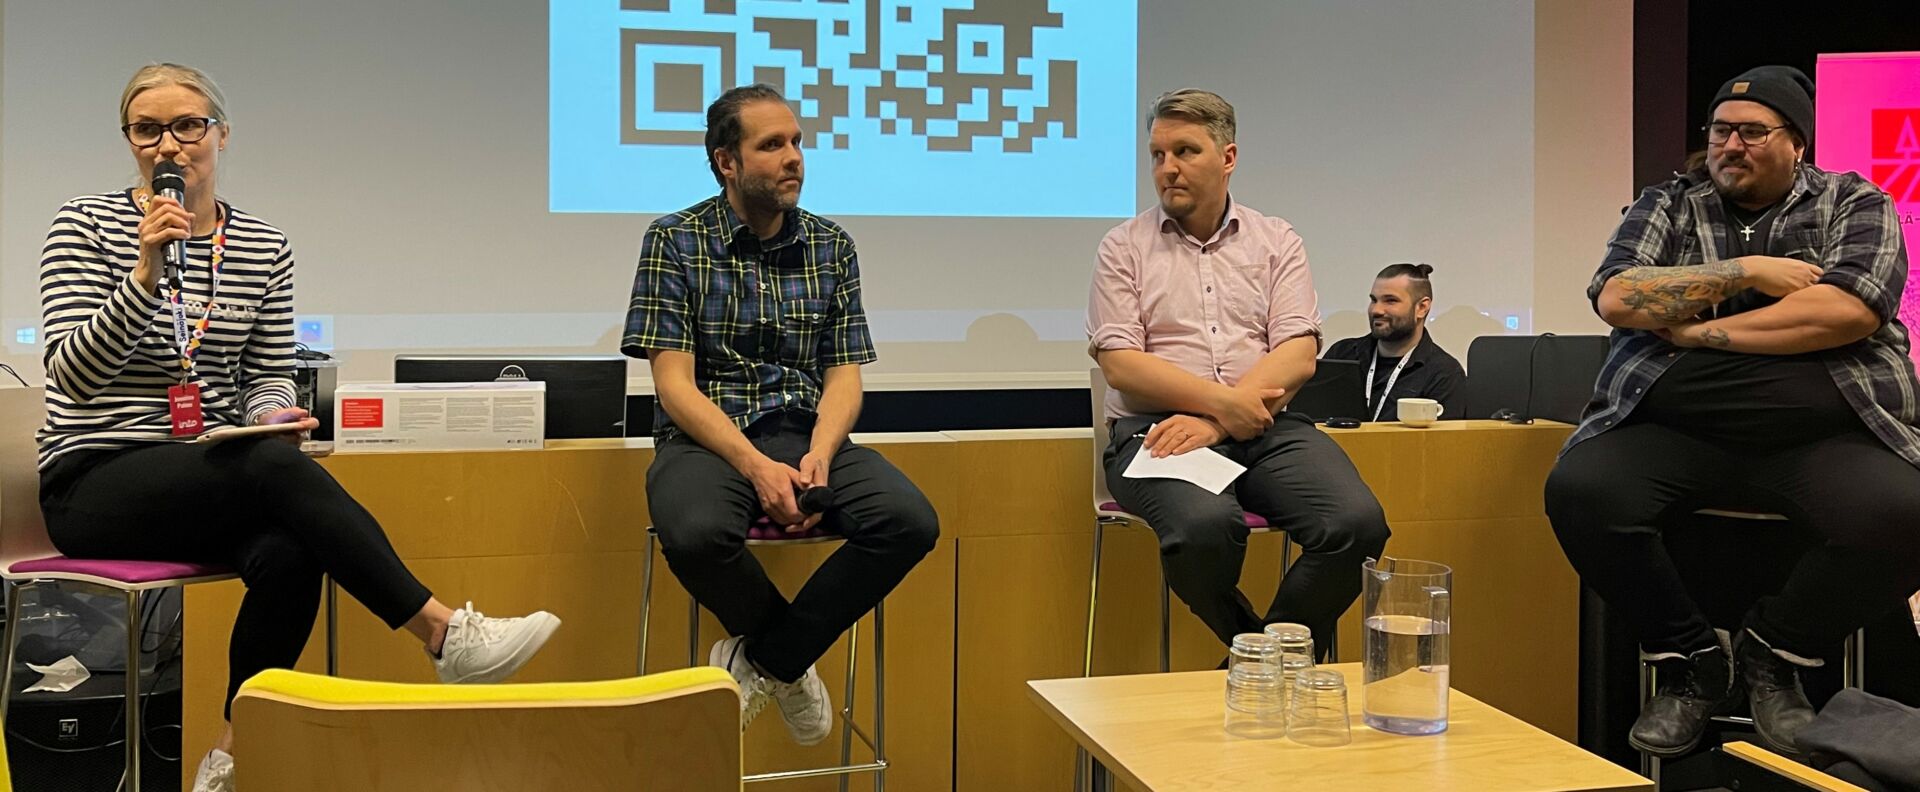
(1719,132)
(191,129)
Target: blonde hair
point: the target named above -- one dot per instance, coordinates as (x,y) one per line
(158,75)
(1205,108)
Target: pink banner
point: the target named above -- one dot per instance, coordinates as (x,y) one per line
(1867,120)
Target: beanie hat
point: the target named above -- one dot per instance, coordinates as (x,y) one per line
(1783,88)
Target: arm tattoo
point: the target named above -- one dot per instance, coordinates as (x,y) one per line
(1676,294)
(1715,337)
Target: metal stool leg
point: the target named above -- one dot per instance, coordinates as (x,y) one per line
(846,709)
(1853,663)
(1166,625)
(646,601)
(880,694)
(693,631)
(333,627)
(13,643)
(132,779)
(1093,598)
(850,727)
(1649,764)
(1080,757)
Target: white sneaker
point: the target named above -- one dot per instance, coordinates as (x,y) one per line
(480,649)
(730,654)
(216,773)
(804,706)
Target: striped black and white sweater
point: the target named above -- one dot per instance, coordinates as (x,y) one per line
(110,355)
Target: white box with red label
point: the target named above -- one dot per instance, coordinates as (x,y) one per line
(439,416)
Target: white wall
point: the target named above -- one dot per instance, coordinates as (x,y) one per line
(1583,152)
(402,146)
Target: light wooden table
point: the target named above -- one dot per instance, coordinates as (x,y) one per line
(1164,733)
(1782,770)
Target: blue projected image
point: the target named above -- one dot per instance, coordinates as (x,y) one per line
(975,108)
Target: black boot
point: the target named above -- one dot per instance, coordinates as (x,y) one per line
(1780,708)
(1691,690)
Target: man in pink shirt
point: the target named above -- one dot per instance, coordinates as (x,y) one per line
(1204,320)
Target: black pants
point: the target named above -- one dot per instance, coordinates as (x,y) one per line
(1302,483)
(259,506)
(702,507)
(1609,495)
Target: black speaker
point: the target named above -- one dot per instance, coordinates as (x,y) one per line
(314,377)
(74,741)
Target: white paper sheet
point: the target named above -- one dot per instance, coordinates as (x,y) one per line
(1202,467)
(65,674)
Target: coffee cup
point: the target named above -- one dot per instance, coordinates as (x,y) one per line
(1419,412)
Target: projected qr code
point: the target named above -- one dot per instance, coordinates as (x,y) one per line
(1003,108)
(952,74)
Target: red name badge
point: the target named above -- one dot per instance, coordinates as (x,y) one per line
(183,406)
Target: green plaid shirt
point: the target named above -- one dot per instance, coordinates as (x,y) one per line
(763,320)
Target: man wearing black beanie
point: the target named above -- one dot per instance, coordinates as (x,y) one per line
(1757,345)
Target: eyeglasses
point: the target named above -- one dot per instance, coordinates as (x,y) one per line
(1719,132)
(191,129)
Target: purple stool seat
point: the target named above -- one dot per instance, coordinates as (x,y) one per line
(763,530)
(121,571)
(1253,520)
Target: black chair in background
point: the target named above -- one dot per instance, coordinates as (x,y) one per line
(1544,376)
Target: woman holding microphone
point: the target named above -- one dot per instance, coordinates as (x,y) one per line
(143,357)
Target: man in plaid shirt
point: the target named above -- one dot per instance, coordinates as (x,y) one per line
(748,310)
(1757,347)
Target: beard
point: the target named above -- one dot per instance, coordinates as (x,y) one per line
(1747,186)
(1733,186)
(1395,331)
(762,195)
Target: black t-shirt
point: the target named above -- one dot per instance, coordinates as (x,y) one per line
(1750,231)
(1382,373)
(1739,244)
(1742,399)
(1431,373)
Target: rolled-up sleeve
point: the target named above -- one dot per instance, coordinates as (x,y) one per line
(1866,255)
(1113,309)
(1294,310)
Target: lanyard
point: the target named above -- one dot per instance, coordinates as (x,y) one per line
(1391,378)
(188,339)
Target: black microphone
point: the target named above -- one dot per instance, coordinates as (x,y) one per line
(1525,416)
(170,181)
(816,500)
